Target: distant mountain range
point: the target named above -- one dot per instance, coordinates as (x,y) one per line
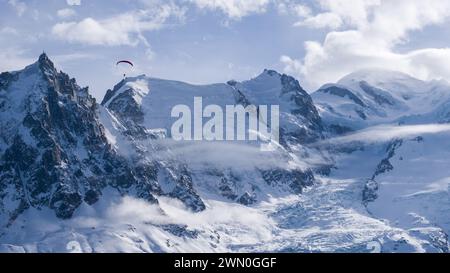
(359,162)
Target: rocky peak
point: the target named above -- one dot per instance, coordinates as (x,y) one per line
(296,105)
(110,93)
(45,62)
(55,154)
(287,83)
(271,73)
(47,67)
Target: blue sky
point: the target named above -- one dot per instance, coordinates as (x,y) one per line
(205,41)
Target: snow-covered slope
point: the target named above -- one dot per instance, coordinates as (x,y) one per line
(138,112)
(371,97)
(397,83)
(153,99)
(413,191)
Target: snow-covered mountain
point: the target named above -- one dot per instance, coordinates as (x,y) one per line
(360,167)
(370,97)
(138,113)
(54,153)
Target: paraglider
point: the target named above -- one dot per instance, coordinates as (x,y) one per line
(125,62)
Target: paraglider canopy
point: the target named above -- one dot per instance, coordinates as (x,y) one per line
(125,61)
(123,69)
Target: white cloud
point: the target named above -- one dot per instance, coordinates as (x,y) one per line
(301,10)
(149,53)
(73,2)
(8,31)
(13,59)
(366,34)
(19,6)
(65,13)
(289,7)
(64,58)
(327,19)
(222,155)
(234,9)
(353,13)
(383,133)
(90,31)
(123,29)
(291,66)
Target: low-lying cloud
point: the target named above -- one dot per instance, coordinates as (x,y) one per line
(227,155)
(385,133)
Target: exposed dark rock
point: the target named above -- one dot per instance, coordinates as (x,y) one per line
(339,129)
(58,155)
(304,109)
(296,180)
(370,191)
(385,165)
(342,92)
(6,78)
(180,231)
(247,199)
(184,190)
(371,187)
(380,96)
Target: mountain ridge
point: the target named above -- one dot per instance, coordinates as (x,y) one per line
(109,177)
(109,165)
(58,155)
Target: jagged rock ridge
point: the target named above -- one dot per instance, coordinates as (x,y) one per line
(54,152)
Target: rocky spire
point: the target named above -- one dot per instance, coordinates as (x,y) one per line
(46,65)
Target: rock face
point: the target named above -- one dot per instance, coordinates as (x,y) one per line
(370,191)
(299,119)
(54,152)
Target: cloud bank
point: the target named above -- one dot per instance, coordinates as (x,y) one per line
(383,133)
(356,34)
(366,34)
(122,29)
(234,8)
